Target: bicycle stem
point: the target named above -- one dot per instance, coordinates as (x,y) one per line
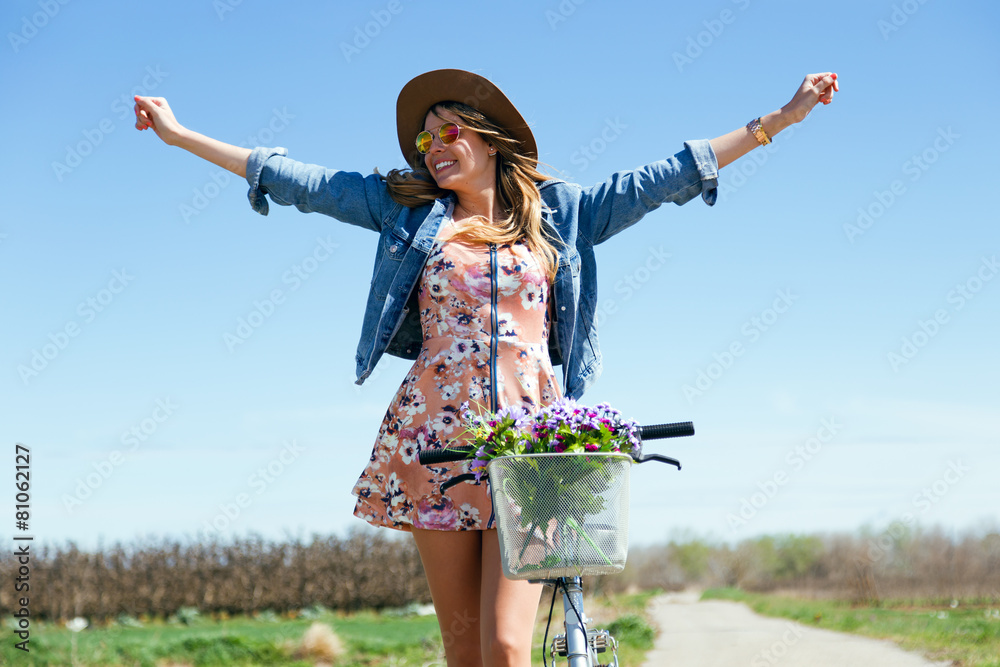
(577,646)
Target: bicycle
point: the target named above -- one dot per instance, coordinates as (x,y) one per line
(584,498)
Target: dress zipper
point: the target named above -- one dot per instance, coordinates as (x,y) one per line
(494,328)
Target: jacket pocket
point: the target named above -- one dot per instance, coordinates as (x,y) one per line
(391,250)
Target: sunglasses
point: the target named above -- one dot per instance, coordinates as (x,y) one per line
(448,132)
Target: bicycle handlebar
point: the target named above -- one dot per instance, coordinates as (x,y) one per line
(651,432)
(429,457)
(657,431)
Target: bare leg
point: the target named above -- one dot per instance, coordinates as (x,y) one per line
(509,609)
(453,563)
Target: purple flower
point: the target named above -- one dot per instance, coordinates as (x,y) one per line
(478,467)
(436,513)
(520,417)
(561,425)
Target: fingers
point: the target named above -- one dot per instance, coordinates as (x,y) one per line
(824,84)
(148,111)
(143,120)
(818,87)
(831,86)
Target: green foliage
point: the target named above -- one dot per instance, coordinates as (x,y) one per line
(268,616)
(692,557)
(732,594)
(371,640)
(128,621)
(313,612)
(633,630)
(187,615)
(796,556)
(227,650)
(556,495)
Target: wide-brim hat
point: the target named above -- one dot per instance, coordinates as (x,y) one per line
(424,91)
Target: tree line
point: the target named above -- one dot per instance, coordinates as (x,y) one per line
(375,570)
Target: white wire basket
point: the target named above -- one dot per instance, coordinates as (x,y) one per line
(561,515)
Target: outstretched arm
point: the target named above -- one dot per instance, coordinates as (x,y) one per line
(346,196)
(154,113)
(815,88)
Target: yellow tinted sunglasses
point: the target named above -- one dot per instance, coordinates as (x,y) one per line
(448,132)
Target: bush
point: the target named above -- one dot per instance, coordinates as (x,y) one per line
(368,569)
(187,615)
(634,631)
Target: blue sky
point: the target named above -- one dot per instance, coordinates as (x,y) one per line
(829,325)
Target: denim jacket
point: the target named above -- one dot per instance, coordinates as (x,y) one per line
(579,217)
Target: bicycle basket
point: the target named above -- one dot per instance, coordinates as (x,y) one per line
(561,515)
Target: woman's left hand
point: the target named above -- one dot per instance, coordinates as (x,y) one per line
(815,88)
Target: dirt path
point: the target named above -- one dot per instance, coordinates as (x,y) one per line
(727,634)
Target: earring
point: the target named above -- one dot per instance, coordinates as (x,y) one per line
(493,151)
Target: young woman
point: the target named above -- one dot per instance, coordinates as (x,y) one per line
(484,276)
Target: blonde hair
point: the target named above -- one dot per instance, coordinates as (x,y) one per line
(516,178)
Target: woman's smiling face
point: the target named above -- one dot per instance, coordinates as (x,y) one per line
(463,166)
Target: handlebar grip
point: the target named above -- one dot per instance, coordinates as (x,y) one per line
(657,431)
(446,455)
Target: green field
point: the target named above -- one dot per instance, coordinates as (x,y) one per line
(967,633)
(393,638)
(370,639)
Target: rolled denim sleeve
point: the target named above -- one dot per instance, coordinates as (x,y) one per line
(255,164)
(618,203)
(346,196)
(708,168)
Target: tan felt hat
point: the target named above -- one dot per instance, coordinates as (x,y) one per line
(455,85)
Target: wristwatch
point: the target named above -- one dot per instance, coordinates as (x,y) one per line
(758,131)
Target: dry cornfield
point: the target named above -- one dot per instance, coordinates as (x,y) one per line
(365,570)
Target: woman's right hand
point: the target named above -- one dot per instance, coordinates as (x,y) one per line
(155,113)
(814,88)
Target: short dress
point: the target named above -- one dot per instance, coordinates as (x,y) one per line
(457,311)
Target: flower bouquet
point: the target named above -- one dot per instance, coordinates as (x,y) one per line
(559,481)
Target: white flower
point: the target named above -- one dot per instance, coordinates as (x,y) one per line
(450,391)
(77,624)
(444,423)
(532,297)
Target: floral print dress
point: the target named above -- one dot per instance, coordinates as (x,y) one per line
(484,318)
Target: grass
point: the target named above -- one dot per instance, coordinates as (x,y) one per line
(624,615)
(965,633)
(371,639)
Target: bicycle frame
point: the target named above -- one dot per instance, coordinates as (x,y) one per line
(581,645)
